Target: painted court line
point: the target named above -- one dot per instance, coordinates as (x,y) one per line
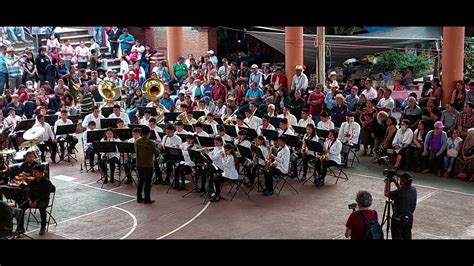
(426,196)
(185,224)
(435,188)
(134,222)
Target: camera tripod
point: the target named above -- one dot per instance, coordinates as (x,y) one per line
(386,217)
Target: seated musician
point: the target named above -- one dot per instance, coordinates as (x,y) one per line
(349,131)
(306,118)
(289,117)
(271,110)
(180,128)
(243,141)
(121,124)
(229,116)
(71,139)
(199,131)
(221,133)
(113,158)
(240,122)
(284,129)
(173,141)
(181,108)
(217,164)
(146,118)
(325,123)
(304,153)
(117,113)
(279,166)
(9,124)
(184,167)
(220,109)
(4,175)
(37,196)
(201,106)
(210,121)
(231,164)
(191,119)
(26,168)
(6,220)
(88,146)
(95,116)
(49,140)
(265,125)
(252,120)
(258,162)
(132,160)
(332,156)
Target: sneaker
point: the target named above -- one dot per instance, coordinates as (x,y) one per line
(42,230)
(180,188)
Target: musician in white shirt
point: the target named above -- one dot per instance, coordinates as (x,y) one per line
(258,162)
(325,123)
(198,130)
(265,125)
(180,128)
(210,121)
(118,114)
(280,165)
(48,138)
(231,164)
(146,117)
(95,116)
(121,124)
(284,129)
(71,139)
(332,156)
(154,130)
(221,133)
(306,118)
(216,157)
(349,131)
(287,114)
(184,167)
(242,139)
(251,119)
(220,109)
(132,158)
(191,119)
(240,122)
(91,126)
(304,153)
(110,157)
(170,140)
(10,123)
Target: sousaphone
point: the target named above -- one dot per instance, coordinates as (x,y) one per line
(109,91)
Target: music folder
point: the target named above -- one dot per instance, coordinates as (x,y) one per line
(208,129)
(244,152)
(174,154)
(182,136)
(51,119)
(123,133)
(106,111)
(66,129)
(104,146)
(133,126)
(108,122)
(314,146)
(196,156)
(170,117)
(258,152)
(292,141)
(275,121)
(74,118)
(322,133)
(230,130)
(188,128)
(251,133)
(198,114)
(299,130)
(206,141)
(219,120)
(162,135)
(25,124)
(270,134)
(126,147)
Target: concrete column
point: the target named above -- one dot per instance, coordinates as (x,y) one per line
(452,62)
(175,43)
(293,51)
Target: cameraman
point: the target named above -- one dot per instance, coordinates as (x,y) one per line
(404,204)
(355,226)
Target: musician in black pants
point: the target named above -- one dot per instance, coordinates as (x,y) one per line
(217,165)
(185,167)
(48,138)
(279,166)
(132,159)
(145,149)
(37,197)
(110,157)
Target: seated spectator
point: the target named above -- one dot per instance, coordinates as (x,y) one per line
(414,151)
(453,149)
(434,148)
(402,141)
(390,132)
(465,120)
(465,161)
(449,116)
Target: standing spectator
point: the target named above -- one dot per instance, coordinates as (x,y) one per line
(124,66)
(255,76)
(93,60)
(146,58)
(52,42)
(137,51)
(352,99)
(458,96)
(126,40)
(52,73)
(162,71)
(67,52)
(436,92)
(3,71)
(97,35)
(243,74)
(14,68)
(470,93)
(213,58)
(95,46)
(29,68)
(299,81)
(316,103)
(356,225)
(114,35)
(82,53)
(267,76)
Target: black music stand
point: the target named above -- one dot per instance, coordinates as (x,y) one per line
(106,111)
(142,109)
(258,152)
(153,135)
(270,134)
(208,129)
(104,147)
(230,130)
(95,135)
(322,133)
(133,126)
(275,121)
(182,136)
(123,134)
(24,125)
(162,135)
(67,130)
(251,133)
(316,147)
(299,130)
(129,149)
(292,141)
(198,114)
(206,141)
(174,155)
(245,152)
(171,117)
(219,120)
(108,122)
(188,128)
(74,118)
(51,119)
(199,160)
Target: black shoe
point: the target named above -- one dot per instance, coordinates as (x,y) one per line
(181,188)
(158,181)
(129,181)
(106,181)
(139,200)
(166,183)
(268,193)
(200,190)
(92,170)
(20,230)
(42,230)
(303,178)
(319,183)
(149,201)
(112,180)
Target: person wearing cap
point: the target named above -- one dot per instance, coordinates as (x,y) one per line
(404,204)
(434,147)
(130,83)
(333,76)
(339,111)
(12,62)
(369,92)
(255,76)
(300,80)
(224,70)
(180,72)
(330,98)
(126,40)
(213,58)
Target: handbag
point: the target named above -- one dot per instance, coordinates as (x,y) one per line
(452,153)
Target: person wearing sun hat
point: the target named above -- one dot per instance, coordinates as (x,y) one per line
(339,111)
(299,80)
(13,65)
(434,147)
(213,58)
(255,76)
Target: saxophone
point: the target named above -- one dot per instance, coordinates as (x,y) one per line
(269,161)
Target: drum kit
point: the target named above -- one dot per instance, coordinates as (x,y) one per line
(32,137)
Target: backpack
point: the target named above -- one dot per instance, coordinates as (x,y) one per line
(373,230)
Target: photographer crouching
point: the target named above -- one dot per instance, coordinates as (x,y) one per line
(404,204)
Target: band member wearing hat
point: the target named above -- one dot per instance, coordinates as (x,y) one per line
(404,204)
(279,166)
(300,80)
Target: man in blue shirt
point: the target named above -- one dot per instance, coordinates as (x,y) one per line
(254,94)
(352,99)
(3,70)
(126,40)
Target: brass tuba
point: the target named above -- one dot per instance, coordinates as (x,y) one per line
(109,91)
(183,117)
(202,119)
(153,89)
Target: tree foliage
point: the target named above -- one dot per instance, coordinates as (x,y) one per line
(398,61)
(468,58)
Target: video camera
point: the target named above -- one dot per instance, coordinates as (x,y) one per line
(352,206)
(389,173)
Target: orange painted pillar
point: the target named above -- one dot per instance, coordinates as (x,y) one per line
(293,51)
(174,39)
(452,60)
